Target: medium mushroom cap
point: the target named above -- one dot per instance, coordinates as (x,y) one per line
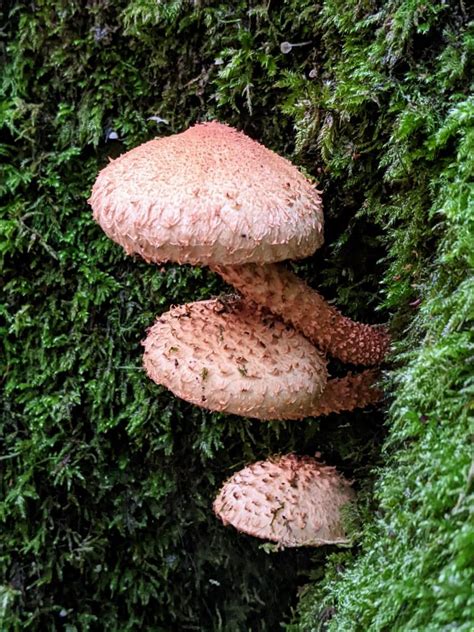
(230,356)
(208,195)
(292,500)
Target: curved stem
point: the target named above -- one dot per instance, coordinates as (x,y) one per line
(349,392)
(285,294)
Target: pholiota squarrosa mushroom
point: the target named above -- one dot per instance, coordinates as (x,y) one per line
(290,500)
(232,356)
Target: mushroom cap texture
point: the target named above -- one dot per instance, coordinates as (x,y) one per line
(206,196)
(293,500)
(230,356)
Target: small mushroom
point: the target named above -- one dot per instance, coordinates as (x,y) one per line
(213,196)
(291,500)
(234,357)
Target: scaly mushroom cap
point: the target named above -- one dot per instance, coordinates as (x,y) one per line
(228,355)
(208,195)
(292,500)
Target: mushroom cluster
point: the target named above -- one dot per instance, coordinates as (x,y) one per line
(213,196)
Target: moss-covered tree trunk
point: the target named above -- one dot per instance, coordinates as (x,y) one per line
(107,481)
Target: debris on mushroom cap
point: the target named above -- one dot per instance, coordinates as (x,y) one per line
(208,195)
(293,500)
(231,356)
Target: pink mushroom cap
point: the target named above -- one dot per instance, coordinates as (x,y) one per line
(230,356)
(210,195)
(292,500)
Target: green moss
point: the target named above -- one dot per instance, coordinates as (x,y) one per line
(108,480)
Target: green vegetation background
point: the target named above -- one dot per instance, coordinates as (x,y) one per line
(107,479)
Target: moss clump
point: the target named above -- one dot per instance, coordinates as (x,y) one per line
(107,480)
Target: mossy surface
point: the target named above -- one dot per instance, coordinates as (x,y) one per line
(108,480)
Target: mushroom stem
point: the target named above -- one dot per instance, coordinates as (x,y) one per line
(348,392)
(288,296)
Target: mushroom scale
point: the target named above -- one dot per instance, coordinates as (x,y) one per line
(230,356)
(292,500)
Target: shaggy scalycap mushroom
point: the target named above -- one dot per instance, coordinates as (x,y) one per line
(229,356)
(292,500)
(210,195)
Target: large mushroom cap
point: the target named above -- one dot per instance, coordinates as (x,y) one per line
(208,195)
(227,355)
(292,500)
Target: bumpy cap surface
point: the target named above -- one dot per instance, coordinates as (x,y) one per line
(227,355)
(292,500)
(209,195)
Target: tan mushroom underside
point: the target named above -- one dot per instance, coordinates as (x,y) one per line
(230,356)
(291,500)
(208,195)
